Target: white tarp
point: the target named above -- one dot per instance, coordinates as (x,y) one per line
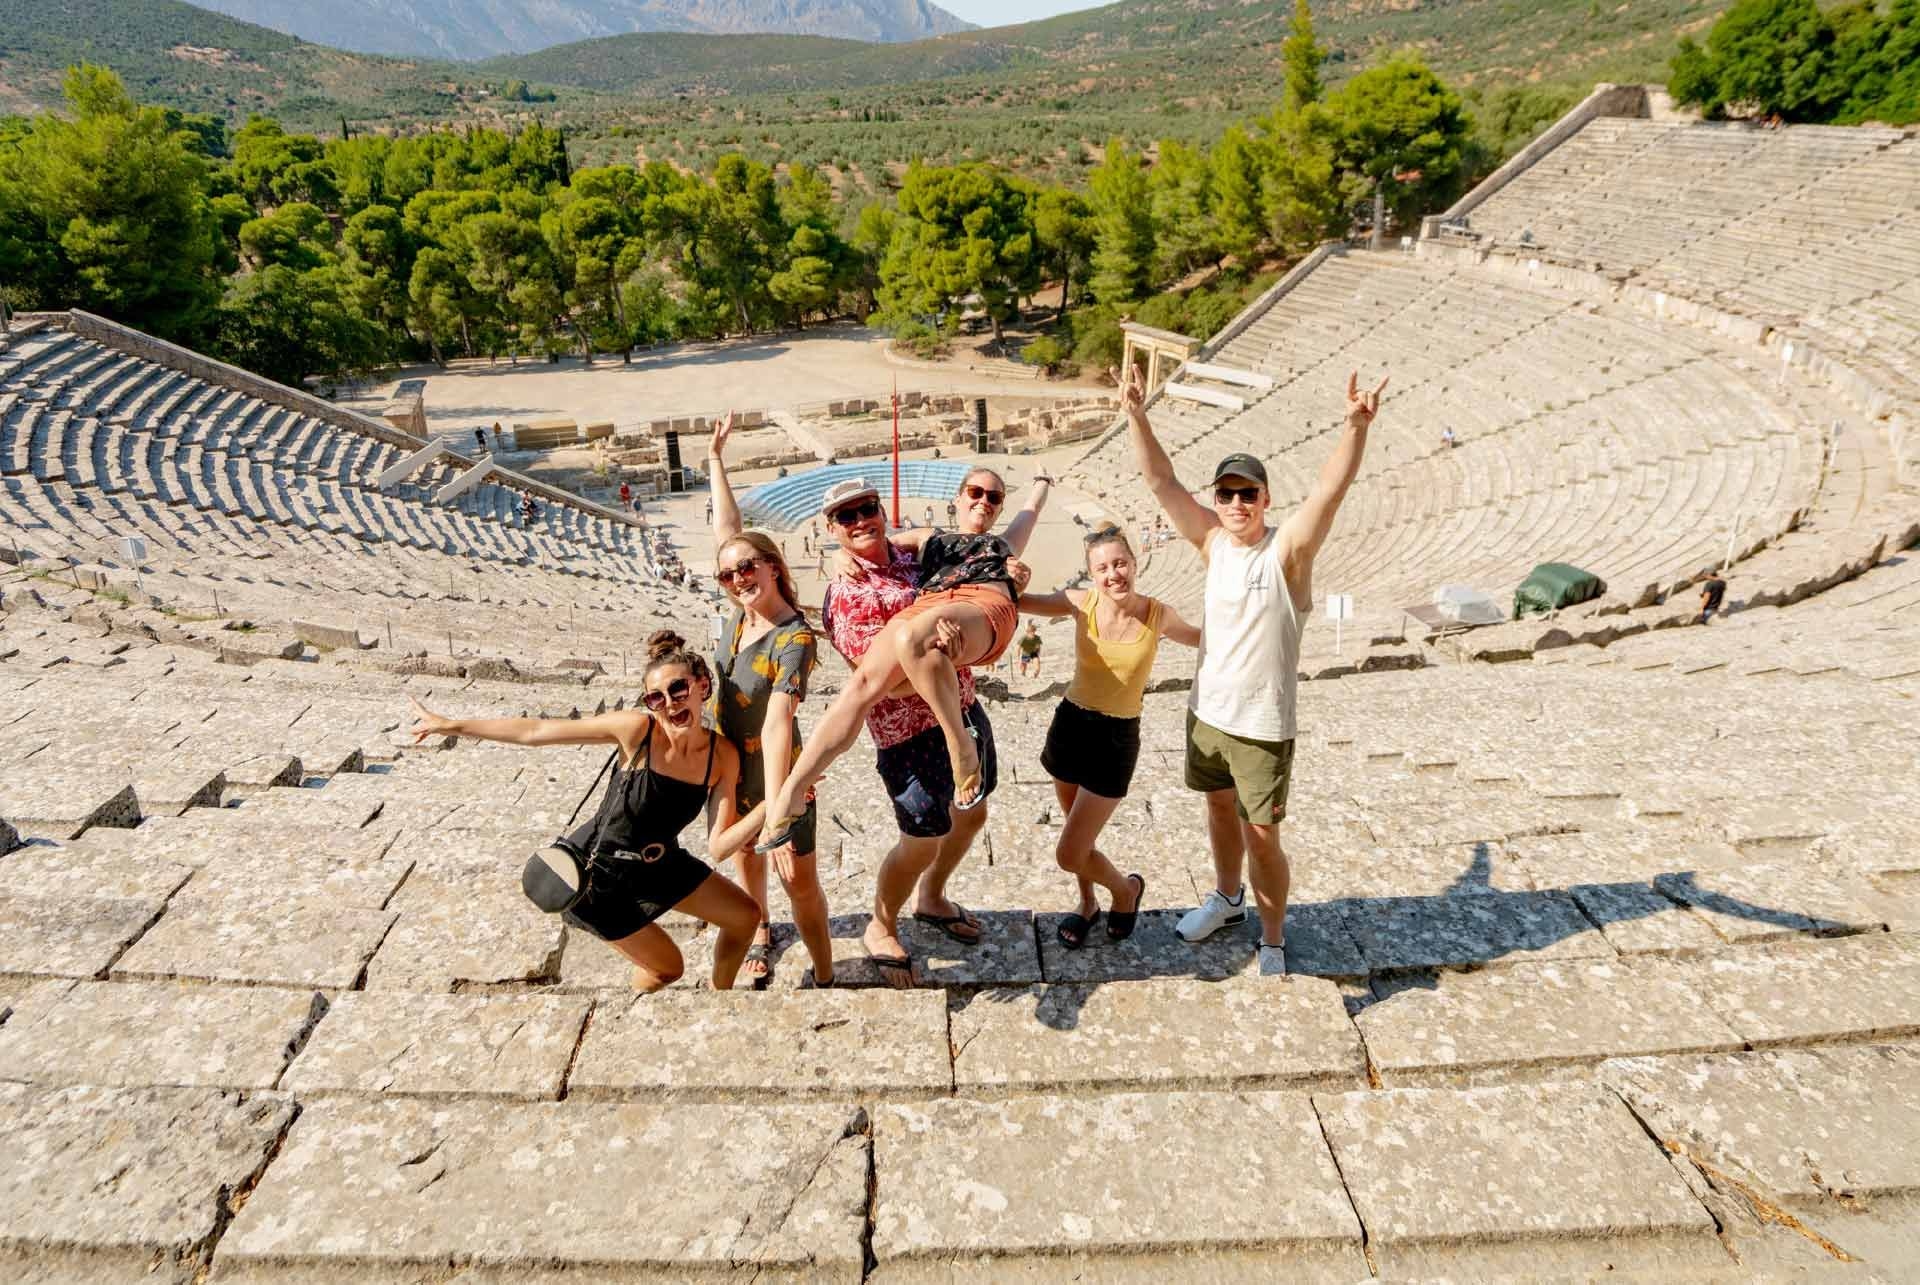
(1468,605)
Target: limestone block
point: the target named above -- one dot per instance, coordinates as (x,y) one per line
(511,1046)
(685,1190)
(238,835)
(1532,1020)
(134,1172)
(1154,950)
(137,1034)
(1766,902)
(1476,1182)
(1243,1033)
(1799,1126)
(58,803)
(493,855)
(85,869)
(964,1180)
(1005,956)
(68,936)
(293,883)
(9,837)
(1849,988)
(216,941)
(742,1046)
(1444,932)
(1637,920)
(456,932)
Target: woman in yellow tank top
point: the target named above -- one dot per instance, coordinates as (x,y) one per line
(1094,742)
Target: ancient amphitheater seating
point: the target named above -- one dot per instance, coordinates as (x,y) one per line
(793,500)
(97,444)
(1613,973)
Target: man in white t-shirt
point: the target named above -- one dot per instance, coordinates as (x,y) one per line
(1240,716)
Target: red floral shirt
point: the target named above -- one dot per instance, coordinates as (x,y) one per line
(856,612)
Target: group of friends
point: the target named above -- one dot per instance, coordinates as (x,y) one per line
(914,612)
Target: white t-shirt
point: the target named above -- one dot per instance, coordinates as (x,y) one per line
(1249,642)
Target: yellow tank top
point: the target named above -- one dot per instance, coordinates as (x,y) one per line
(1110,677)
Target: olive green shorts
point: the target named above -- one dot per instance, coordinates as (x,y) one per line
(1258,772)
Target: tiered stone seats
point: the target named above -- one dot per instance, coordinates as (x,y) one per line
(1585,434)
(98,444)
(1575,998)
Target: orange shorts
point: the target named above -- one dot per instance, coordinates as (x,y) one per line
(992,599)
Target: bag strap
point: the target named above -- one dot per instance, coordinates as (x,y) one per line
(591,788)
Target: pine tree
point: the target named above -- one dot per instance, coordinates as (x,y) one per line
(1302,55)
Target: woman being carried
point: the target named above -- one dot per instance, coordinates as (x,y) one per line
(762,662)
(964,615)
(670,767)
(1094,742)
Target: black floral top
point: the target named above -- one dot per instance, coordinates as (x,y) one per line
(950,559)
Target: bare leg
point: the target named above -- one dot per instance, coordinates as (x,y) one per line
(838,729)
(657,962)
(930,894)
(1064,795)
(1271,877)
(1228,842)
(810,914)
(933,676)
(720,902)
(753,877)
(1076,854)
(898,873)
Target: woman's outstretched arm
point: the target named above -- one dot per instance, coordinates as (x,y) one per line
(1020,530)
(1177,627)
(1061,602)
(624,727)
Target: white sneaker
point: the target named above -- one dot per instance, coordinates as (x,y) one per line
(1273,960)
(1211,915)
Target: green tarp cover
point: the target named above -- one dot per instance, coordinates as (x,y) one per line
(1553,585)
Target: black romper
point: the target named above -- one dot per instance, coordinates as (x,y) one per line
(638,871)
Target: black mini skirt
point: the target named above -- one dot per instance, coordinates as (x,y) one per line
(1094,751)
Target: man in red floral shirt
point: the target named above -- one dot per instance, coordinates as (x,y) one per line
(912,761)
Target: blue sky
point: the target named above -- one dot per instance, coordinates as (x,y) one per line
(998,13)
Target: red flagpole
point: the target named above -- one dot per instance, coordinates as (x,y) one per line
(896,450)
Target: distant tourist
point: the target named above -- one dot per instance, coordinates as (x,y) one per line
(1093,744)
(926,517)
(952,515)
(529,511)
(480,440)
(1712,593)
(667,768)
(709,516)
(762,664)
(1240,714)
(877,583)
(1030,649)
(1447,439)
(626,496)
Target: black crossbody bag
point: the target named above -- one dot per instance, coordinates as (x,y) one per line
(557,877)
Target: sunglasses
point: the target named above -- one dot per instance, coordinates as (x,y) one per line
(1104,533)
(1228,494)
(676,692)
(742,571)
(984,493)
(855,513)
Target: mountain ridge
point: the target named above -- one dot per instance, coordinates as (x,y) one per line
(474,30)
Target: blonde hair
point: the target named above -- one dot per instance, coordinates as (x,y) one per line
(762,543)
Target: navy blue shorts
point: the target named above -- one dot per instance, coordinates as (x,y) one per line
(919,777)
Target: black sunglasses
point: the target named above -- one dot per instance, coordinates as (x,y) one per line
(1244,494)
(855,513)
(1104,533)
(742,570)
(676,692)
(985,493)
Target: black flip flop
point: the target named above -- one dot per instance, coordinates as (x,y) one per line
(1120,922)
(945,924)
(888,964)
(1081,925)
(761,952)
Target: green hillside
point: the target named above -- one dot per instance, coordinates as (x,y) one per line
(186,57)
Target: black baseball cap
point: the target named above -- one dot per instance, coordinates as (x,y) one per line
(1241,465)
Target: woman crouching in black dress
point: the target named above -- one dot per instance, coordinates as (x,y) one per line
(669,769)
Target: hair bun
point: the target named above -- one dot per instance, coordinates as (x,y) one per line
(664,642)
